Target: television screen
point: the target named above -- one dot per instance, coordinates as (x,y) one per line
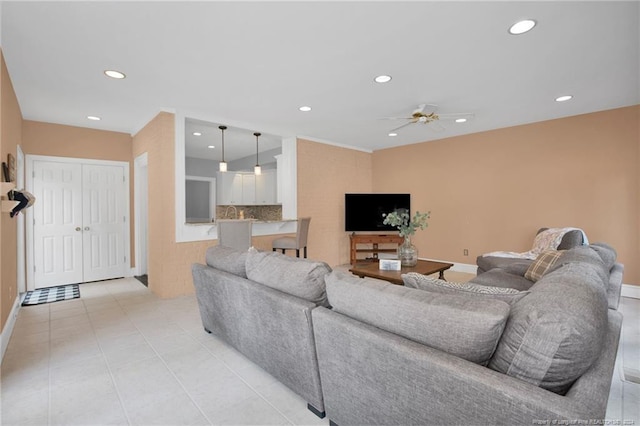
(363,212)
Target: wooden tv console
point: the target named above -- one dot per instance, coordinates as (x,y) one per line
(372,240)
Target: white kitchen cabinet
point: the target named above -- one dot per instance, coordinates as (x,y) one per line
(266,188)
(246,188)
(229,188)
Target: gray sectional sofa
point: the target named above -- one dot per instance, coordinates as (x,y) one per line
(486,352)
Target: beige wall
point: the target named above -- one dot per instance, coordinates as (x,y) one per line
(58,140)
(325,174)
(492,190)
(10,134)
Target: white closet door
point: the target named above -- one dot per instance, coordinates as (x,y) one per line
(57,225)
(78,222)
(103,189)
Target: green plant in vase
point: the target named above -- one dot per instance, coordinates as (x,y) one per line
(407,227)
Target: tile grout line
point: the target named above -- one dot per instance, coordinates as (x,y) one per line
(243,380)
(163,361)
(49,407)
(104,359)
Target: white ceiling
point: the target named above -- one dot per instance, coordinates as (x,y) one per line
(250,65)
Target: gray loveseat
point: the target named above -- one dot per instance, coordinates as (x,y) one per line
(472,354)
(260,303)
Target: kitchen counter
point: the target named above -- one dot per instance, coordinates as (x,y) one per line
(209,230)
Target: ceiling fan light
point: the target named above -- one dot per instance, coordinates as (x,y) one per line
(382,79)
(522,27)
(223,166)
(392,134)
(461,120)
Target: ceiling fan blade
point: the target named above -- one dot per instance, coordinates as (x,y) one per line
(435,126)
(395,118)
(404,125)
(455,116)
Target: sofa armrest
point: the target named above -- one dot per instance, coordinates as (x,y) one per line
(271,328)
(362,367)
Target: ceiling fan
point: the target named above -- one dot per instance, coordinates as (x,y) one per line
(426,114)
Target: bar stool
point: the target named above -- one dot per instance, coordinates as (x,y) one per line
(297,242)
(235,233)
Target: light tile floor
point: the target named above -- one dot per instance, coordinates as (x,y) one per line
(120,355)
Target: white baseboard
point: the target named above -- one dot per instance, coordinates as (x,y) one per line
(458,267)
(8,327)
(632,291)
(465,267)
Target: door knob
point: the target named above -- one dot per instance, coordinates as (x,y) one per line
(86,228)
(78,229)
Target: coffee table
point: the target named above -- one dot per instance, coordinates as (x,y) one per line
(425,267)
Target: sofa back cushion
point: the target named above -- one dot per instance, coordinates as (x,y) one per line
(227,259)
(555,333)
(570,239)
(465,327)
(299,277)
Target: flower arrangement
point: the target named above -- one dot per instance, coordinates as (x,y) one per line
(400,219)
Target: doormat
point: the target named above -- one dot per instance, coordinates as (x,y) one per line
(51,294)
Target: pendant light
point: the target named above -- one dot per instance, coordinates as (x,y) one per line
(223,164)
(257,169)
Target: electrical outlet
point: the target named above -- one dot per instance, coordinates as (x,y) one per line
(465,252)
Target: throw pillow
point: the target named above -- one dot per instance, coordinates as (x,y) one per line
(542,264)
(299,277)
(423,282)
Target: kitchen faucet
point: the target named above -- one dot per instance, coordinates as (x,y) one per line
(235,212)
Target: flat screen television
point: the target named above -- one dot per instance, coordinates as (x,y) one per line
(363,212)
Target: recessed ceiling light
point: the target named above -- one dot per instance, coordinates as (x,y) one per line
(305,108)
(211,146)
(393,134)
(382,79)
(461,120)
(114,74)
(563,98)
(522,27)
(93,117)
(197,134)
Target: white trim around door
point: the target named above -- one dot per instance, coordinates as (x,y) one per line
(29,213)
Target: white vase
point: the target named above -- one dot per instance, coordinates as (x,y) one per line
(407,253)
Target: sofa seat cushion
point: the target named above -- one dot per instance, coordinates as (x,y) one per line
(555,333)
(227,259)
(424,282)
(501,278)
(465,327)
(510,264)
(303,278)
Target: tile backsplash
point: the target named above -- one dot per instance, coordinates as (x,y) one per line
(268,212)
